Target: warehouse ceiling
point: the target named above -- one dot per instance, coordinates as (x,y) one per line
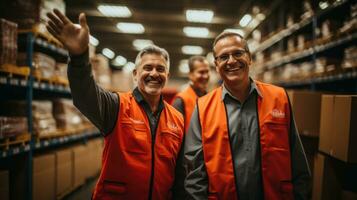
(163,22)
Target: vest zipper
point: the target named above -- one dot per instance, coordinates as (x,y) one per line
(153,138)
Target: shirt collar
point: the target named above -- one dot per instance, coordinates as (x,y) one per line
(141,100)
(253,87)
(198,92)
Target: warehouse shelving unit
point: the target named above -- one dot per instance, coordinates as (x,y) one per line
(341,80)
(24,86)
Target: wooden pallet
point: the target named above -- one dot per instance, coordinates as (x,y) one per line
(60,81)
(18,140)
(62,132)
(13,70)
(40,31)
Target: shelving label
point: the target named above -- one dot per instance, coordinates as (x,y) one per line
(23,82)
(3,80)
(14,81)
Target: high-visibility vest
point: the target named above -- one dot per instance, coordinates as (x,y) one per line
(136,165)
(189,98)
(274,125)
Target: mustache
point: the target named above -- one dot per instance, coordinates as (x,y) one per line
(150,78)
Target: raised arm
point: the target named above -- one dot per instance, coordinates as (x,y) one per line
(98,105)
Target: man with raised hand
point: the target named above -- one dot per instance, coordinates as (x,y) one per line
(142,133)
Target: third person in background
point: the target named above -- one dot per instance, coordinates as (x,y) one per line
(199,75)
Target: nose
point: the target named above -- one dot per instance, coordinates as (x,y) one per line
(231,59)
(154,73)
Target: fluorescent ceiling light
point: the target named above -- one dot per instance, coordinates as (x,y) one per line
(140,44)
(323,4)
(114,11)
(236,30)
(119,61)
(128,67)
(192,50)
(201,16)
(135,28)
(108,53)
(245,20)
(93,41)
(183,67)
(196,32)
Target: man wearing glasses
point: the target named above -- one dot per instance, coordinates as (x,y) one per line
(242,142)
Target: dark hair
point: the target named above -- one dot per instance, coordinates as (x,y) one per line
(193,59)
(225,34)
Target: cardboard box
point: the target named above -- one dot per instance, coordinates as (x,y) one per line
(338,133)
(44,177)
(79,165)
(4,185)
(306,106)
(64,171)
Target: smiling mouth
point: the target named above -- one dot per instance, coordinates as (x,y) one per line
(233,69)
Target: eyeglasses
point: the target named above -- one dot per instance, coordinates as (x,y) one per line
(225,57)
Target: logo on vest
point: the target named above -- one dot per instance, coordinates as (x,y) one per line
(173,127)
(277,113)
(135,121)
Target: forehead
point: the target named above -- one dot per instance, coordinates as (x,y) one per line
(153,59)
(229,43)
(198,65)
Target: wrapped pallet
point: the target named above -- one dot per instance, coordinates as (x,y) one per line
(8,42)
(66,114)
(101,71)
(43,121)
(43,65)
(12,126)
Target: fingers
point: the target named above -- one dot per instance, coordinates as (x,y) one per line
(83,20)
(55,20)
(52,31)
(62,17)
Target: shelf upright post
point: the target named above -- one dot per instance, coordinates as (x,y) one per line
(314,26)
(29,96)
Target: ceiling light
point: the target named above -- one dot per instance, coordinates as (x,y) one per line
(235,30)
(135,28)
(245,20)
(323,4)
(93,41)
(183,67)
(119,61)
(140,44)
(196,32)
(192,50)
(114,11)
(108,53)
(128,67)
(201,16)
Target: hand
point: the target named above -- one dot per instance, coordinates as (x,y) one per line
(74,38)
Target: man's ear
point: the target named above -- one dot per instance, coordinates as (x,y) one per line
(134,74)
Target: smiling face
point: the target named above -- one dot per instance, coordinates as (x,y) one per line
(232,60)
(151,74)
(200,75)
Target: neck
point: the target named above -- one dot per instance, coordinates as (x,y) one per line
(240,90)
(197,89)
(152,100)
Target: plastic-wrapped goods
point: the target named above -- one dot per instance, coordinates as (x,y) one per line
(27,13)
(306,70)
(8,42)
(324,65)
(308,11)
(43,65)
(66,114)
(43,121)
(101,71)
(12,126)
(350,58)
(300,42)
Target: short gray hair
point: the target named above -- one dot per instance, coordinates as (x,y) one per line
(225,34)
(153,49)
(193,59)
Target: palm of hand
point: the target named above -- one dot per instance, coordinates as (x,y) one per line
(74,38)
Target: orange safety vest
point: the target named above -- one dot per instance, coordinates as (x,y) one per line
(274,124)
(133,165)
(189,98)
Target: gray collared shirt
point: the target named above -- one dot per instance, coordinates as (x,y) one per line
(245,145)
